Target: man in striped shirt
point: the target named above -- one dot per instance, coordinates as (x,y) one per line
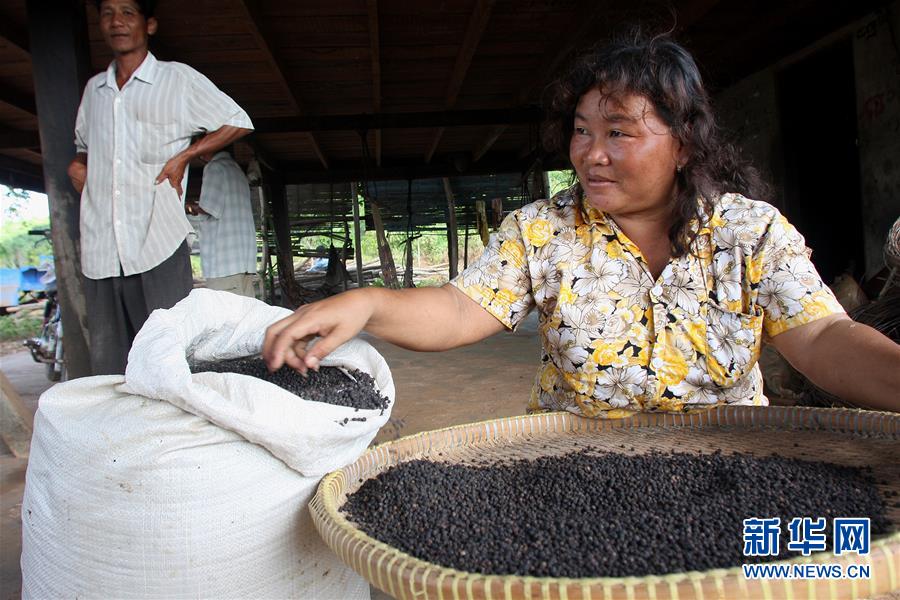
(227,231)
(133,140)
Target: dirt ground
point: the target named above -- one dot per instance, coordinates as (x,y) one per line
(10,347)
(488,380)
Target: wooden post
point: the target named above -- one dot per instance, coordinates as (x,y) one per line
(345,279)
(282,225)
(452,239)
(265,292)
(357,237)
(545,179)
(497,212)
(481,222)
(60,61)
(408,280)
(537,185)
(388,270)
(466,244)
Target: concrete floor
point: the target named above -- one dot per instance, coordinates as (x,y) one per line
(487,380)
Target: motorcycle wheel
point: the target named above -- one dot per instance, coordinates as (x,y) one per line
(54,371)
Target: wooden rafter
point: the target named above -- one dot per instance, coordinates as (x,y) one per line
(691,12)
(32,154)
(442,166)
(10,138)
(478,21)
(255,26)
(413,120)
(375,52)
(23,102)
(688,14)
(586,13)
(16,172)
(488,141)
(14,36)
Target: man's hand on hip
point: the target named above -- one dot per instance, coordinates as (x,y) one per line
(173,171)
(78,171)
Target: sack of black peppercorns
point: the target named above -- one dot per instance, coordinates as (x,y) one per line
(181,481)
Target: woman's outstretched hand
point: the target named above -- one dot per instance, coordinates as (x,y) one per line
(333,320)
(426,319)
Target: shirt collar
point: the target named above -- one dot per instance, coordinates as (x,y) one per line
(592,216)
(601,221)
(146,72)
(589,214)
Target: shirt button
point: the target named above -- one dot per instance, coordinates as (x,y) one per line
(656,290)
(118,161)
(117,192)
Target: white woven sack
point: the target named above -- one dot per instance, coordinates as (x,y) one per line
(166,484)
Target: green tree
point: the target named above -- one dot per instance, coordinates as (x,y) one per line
(560,180)
(17,248)
(17,197)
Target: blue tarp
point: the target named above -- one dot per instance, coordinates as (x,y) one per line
(13,282)
(30,280)
(9,287)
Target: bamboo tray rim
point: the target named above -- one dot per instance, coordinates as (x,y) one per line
(324,505)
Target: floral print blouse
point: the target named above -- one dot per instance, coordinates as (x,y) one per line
(614,341)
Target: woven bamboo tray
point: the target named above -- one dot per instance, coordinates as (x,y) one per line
(842,436)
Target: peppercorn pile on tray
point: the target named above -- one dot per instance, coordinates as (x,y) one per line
(628,531)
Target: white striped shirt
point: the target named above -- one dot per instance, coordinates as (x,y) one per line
(227,231)
(129,135)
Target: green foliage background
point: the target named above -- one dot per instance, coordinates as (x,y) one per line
(560,180)
(20,326)
(17,248)
(431,247)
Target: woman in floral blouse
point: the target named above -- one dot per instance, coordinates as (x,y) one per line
(657,276)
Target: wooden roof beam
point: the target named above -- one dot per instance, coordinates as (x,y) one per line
(450,165)
(692,11)
(414,120)
(14,36)
(488,141)
(688,14)
(255,27)
(22,102)
(586,13)
(478,21)
(375,52)
(16,139)
(15,172)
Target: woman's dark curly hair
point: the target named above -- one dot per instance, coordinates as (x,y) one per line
(663,72)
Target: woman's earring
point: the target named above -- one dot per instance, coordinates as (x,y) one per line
(679,169)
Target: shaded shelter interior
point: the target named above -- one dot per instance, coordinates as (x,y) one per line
(432,110)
